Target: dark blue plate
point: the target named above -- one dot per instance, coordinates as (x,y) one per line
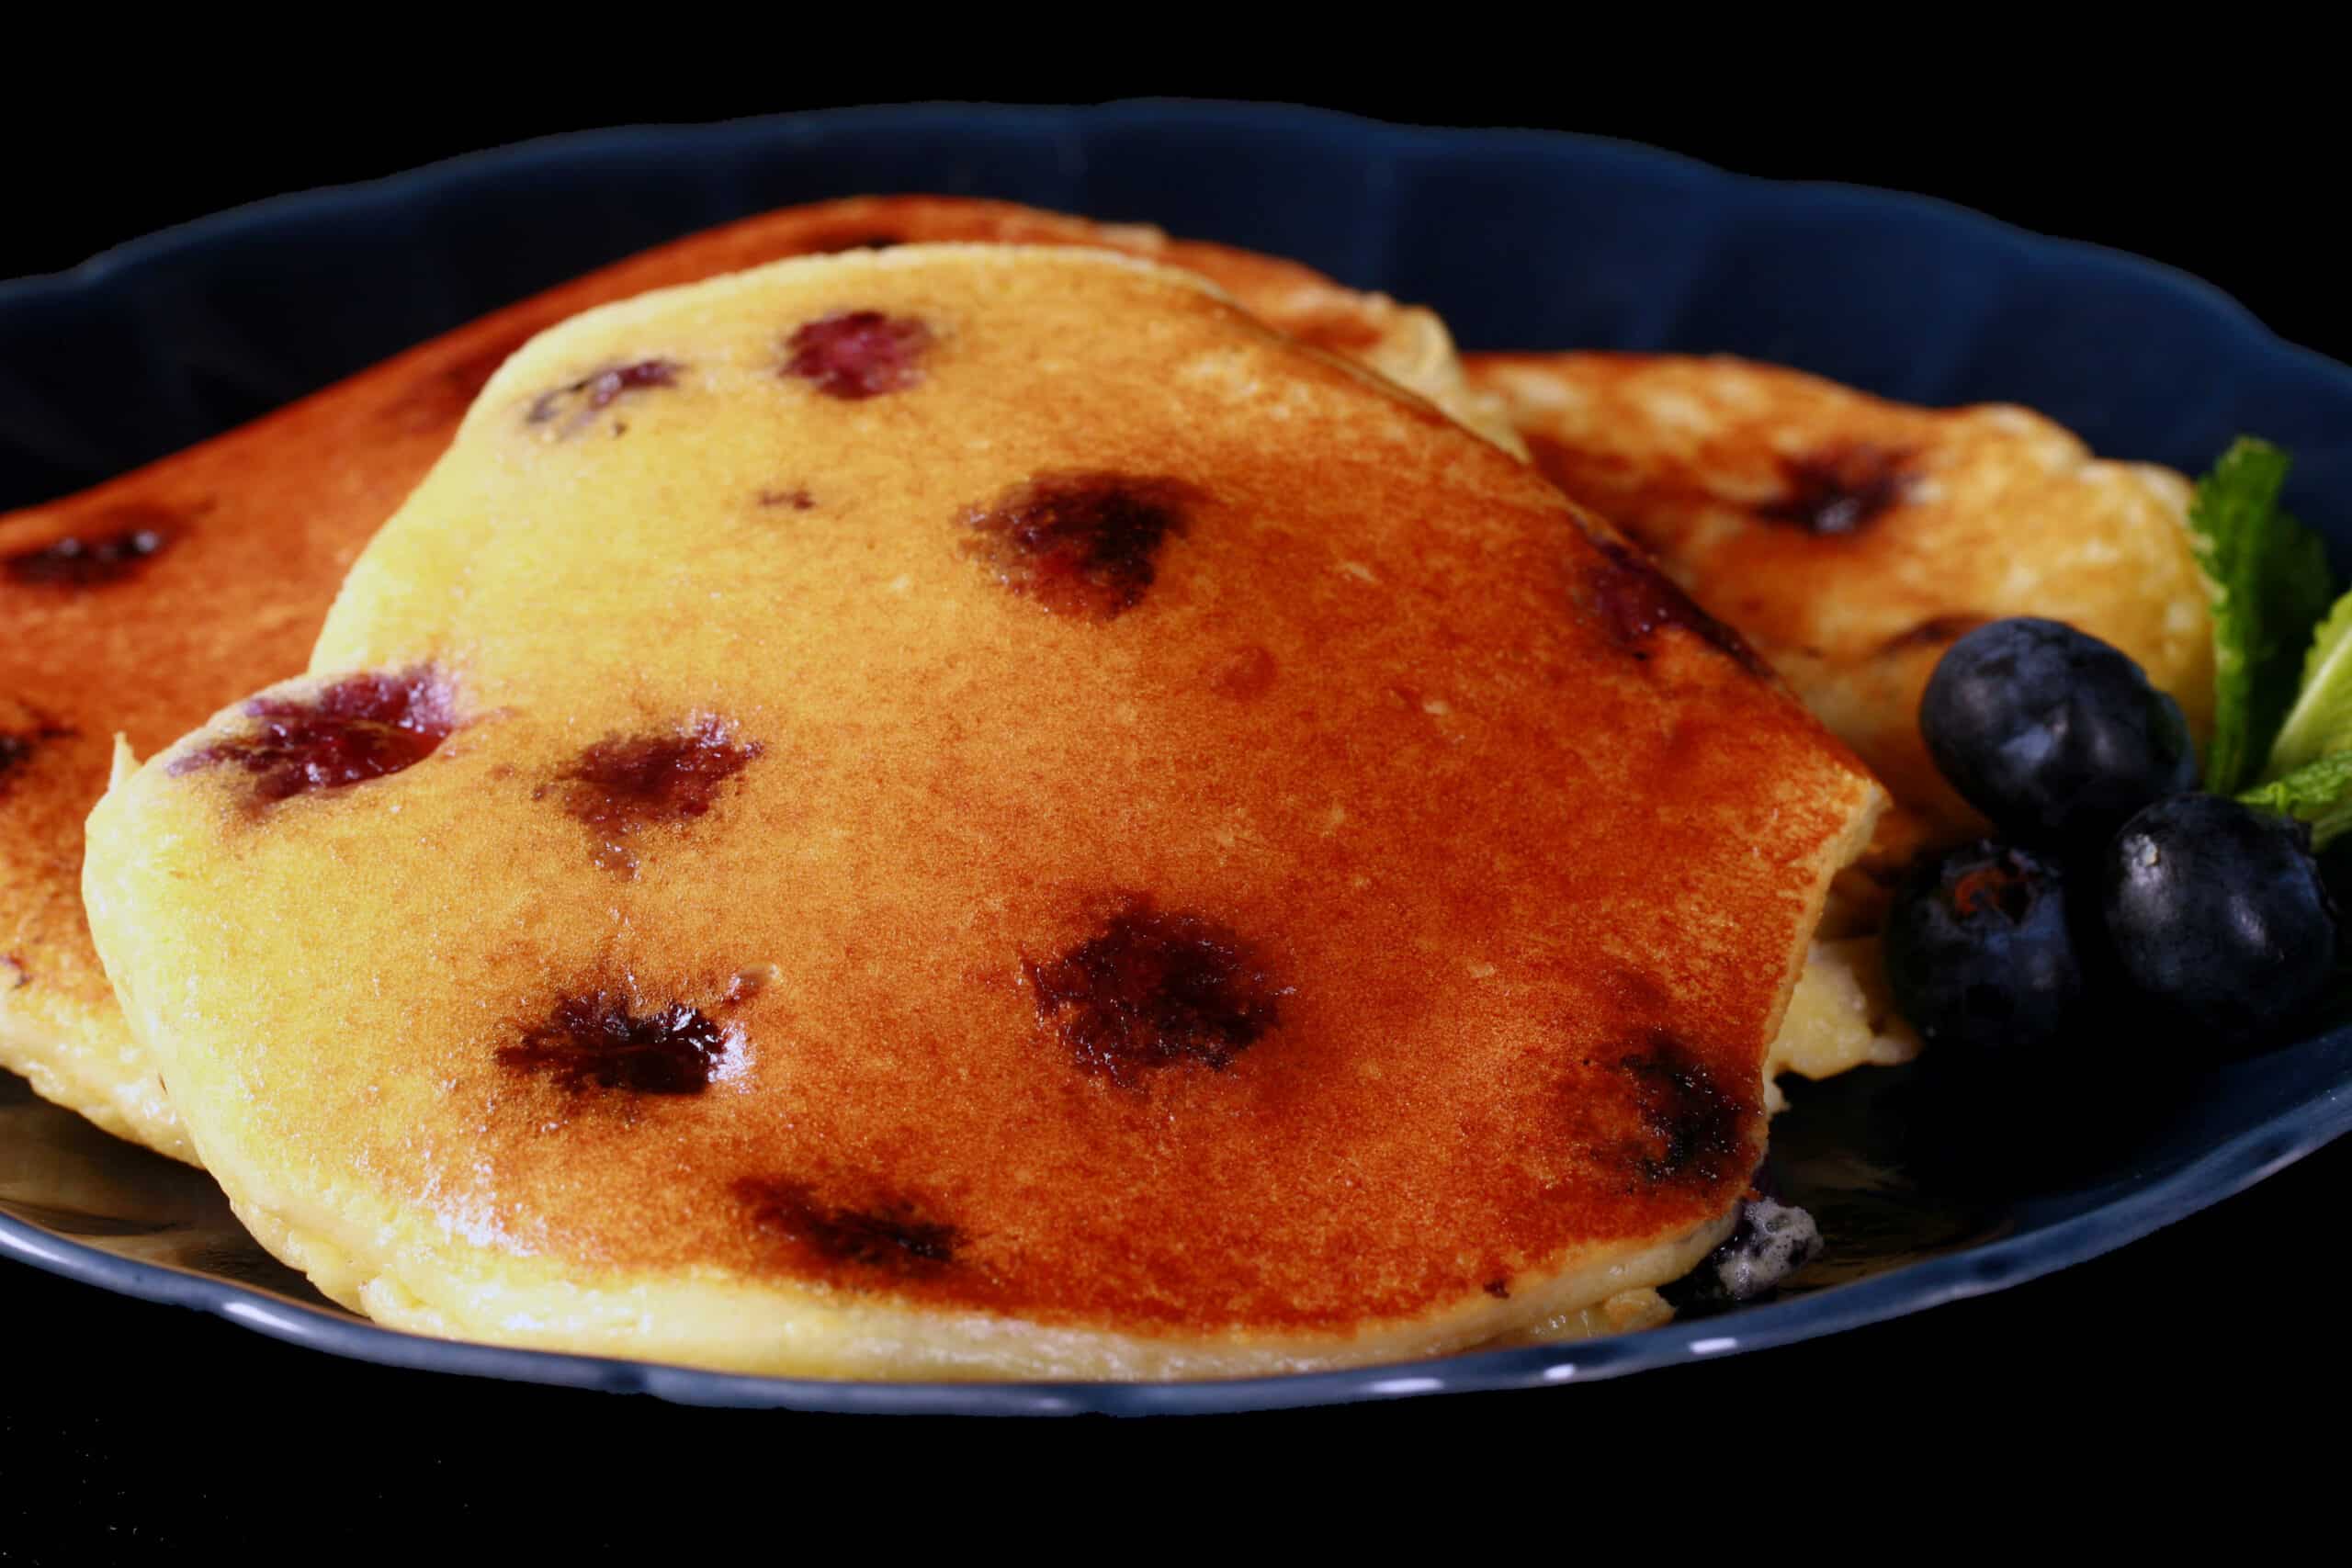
(1523,240)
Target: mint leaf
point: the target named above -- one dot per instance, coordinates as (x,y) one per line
(2269,578)
(2318,793)
(2320,720)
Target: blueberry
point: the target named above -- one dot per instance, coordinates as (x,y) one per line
(2217,913)
(1979,951)
(2052,733)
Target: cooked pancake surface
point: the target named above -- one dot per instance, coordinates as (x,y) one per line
(971,811)
(143,606)
(1852,540)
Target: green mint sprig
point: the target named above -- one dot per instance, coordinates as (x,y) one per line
(2319,722)
(2319,793)
(2282,729)
(2270,583)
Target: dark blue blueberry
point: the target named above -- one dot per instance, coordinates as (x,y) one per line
(2054,735)
(1979,952)
(2216,912)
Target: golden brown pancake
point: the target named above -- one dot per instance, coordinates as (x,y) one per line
(1852,540)
(973,811)
(143,606)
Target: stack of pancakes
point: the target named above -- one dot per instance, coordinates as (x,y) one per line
(1004,797)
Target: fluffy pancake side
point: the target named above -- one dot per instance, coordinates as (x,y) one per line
(989,816)
(138,607)
(1851,539)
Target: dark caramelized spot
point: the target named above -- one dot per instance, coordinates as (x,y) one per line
(2007,885)
(573,406)
(1498,1289)
(1840,489)
(1081,544)
(1695,1123)
(1634,601)
(626,783)
(126,539)
(15,969)
(799,500)
(1153,990)
(858,353)
(358,729)
(596,1042)
(892,1235)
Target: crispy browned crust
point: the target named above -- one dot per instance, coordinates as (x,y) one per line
(1852,539)
(206,574)
(1503,854)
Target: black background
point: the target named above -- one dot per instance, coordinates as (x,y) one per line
(124,1425)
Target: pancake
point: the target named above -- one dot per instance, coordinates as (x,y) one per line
(1852,540)
(972,811)
(143,606)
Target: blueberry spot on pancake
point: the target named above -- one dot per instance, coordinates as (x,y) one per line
(1838,489)
(1936,632)
(1694,1126)
(595,1041)
(1081,544)
(1155,989)
(625,784)
(19,745)
(571,407)
(125,540)
(858,353)
(891,1233)
(358,729)
(1634,601)
(15,971)
(799,500)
